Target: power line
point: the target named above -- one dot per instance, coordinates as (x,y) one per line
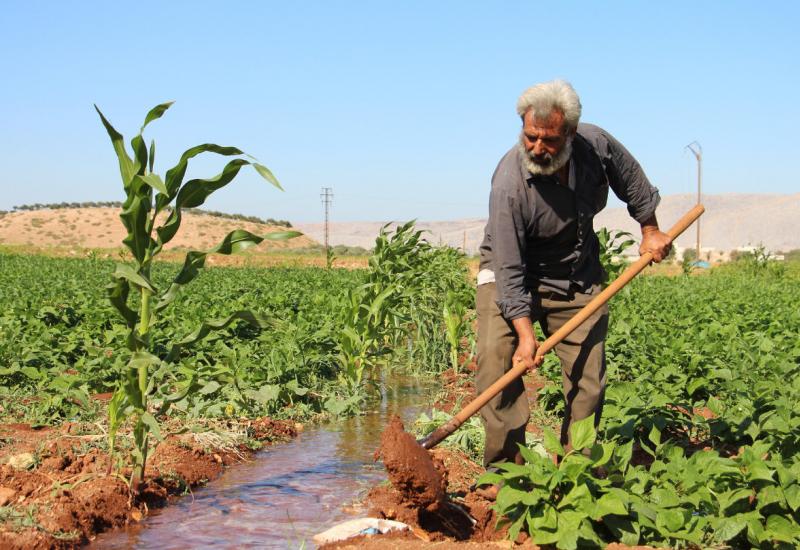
(327,200)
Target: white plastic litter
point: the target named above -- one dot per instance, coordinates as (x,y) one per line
(360,526)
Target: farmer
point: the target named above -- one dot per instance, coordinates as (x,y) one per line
(539,260)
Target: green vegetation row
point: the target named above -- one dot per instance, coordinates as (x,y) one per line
(62,342)
(699,444)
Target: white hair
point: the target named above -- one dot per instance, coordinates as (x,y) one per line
(546,97)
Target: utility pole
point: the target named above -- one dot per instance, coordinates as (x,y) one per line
(327,199)
(697,151)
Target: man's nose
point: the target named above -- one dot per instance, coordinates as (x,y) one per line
(538,148)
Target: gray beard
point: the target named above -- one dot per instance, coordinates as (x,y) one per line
(556,163)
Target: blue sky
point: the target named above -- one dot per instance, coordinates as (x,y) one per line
(403,108)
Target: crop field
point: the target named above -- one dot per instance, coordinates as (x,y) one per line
(62,342)
(698,446)
(700,439)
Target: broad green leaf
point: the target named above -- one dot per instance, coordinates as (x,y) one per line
(544,520)
(152,425)
(654,436)
(210,388)
(265,394)
(235,241)
(781,529)
(155,113)
(528,455)
(134,216)
(118,292)
(582,433)
(602,453)
(672,520)
(568,525)
(665,497)
(516,526)
(769,495)
(125,162)
(623,529)
(759,471)
(295,388)
(194,192)
(216,324)
(126,272)
(508,498)
(792,495)
(174,176)
(574,465)
(728,499)
(695,384)
(267,175)
(281,235)
(578,498)
(154,181)
(609,504)
(727,528)
(552,443)
(140,155)
(755,531)
(33,373)
(489,478)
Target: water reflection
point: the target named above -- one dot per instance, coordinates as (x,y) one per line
(288,493)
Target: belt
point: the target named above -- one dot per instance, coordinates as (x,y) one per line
(551,295)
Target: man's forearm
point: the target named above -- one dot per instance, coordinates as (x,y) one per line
(524,329)
(649,225)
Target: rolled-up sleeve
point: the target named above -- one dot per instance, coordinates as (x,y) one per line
(628,180)
(507,228)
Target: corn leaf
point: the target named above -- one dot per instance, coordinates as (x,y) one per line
(125,163)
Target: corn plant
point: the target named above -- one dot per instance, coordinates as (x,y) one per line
(152,214)
(455,324)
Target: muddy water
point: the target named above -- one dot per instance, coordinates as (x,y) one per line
(287,494)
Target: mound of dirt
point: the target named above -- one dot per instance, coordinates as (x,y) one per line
(65,494)
(411,469)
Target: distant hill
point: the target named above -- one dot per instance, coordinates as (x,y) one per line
(100,227)
(731,221)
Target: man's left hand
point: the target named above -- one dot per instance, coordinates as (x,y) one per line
(657,243)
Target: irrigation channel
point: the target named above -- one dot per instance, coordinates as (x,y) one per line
(288,493)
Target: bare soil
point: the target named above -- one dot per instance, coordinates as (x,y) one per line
(451,515)
(100,227)
(461,518)
(57,489)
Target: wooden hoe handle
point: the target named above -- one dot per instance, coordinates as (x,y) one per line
(597,302)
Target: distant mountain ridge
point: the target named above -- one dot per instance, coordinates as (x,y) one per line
(731,220)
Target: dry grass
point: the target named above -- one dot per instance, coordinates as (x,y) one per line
(73,226)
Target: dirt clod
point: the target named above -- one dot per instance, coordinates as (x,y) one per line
(411,469)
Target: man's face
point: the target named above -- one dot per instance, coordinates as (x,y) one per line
(546,142)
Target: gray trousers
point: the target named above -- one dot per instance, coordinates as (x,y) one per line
(583,367)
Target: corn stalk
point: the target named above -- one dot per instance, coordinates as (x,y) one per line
(147,196)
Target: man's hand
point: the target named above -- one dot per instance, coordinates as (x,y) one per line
(654,240)
(657,243)
(527,346)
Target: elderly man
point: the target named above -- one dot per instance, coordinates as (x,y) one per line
(540,258)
